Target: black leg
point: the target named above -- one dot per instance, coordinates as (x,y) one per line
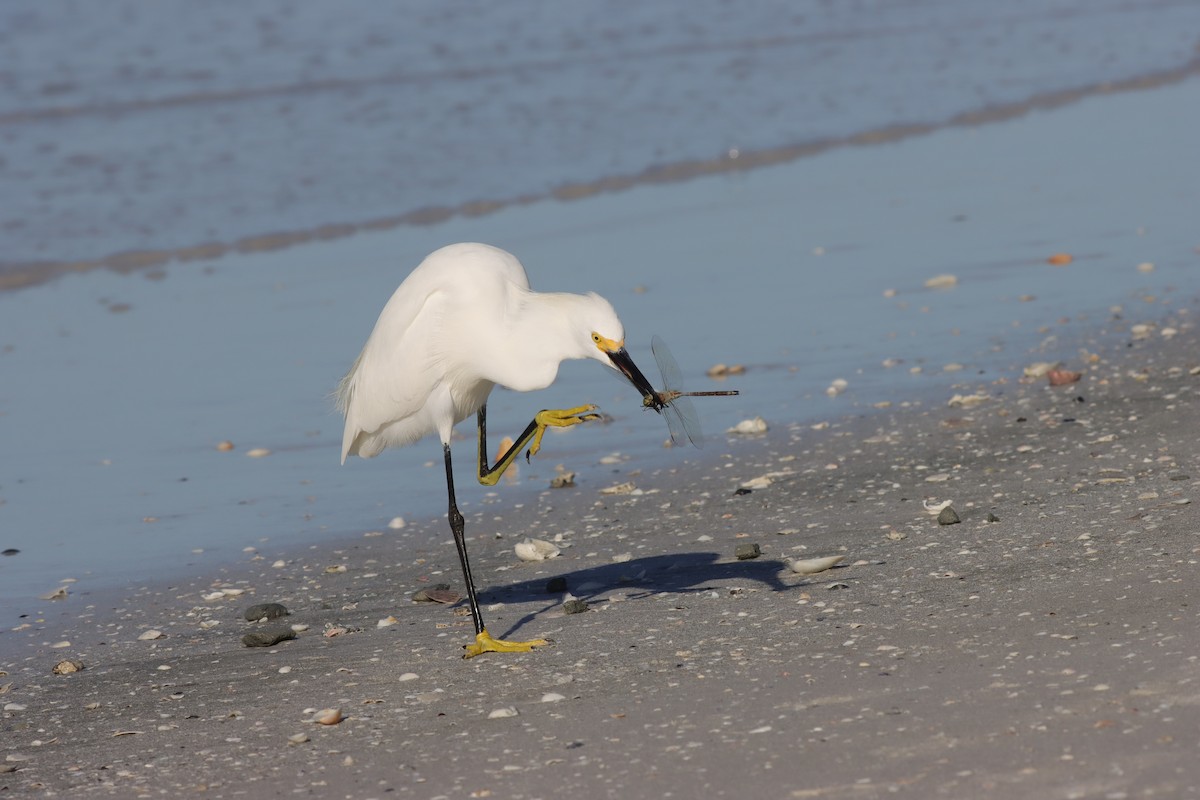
(458,527)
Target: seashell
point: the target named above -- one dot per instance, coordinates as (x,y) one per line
(535,550)
(621,488)
(838,386)
(552,697)
(408,676)
(761,482)
(941,282)
(146,636)
(386,622)
(811,566)
(225,446)
(1040,368)
(749,426)
(1062,377)
(562,480)
(1060,259)
(298,738)
(397,523)
(258,452)
(935,508)
(67,667)
(501,713)
(328,716)
(967,400)
(58,594)
(335,569)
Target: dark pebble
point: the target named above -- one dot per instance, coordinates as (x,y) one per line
(574,607)
(556,585)
(992,517)
(1173,477)
(745,552)
(948,516)
(265,611)
(12,551)
(268,637)
(741,490)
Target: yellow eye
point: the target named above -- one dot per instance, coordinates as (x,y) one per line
(596,338)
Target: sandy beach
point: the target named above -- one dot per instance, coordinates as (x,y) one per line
(901,224)
(1049,652)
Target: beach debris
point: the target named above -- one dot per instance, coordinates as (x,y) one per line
(258,452)
(387,622)
(209,624)
(574,606)
(298,738)
(837,585)
(335,569)
(268,637)
(620,488)
(992,517)
(150,635)
(761,482)
(14,707)
(934,507)
(968,400)
(1145,266)
(438,593)
(942,282)
(408,676)
(1039,369)
(948,516)
(553,697)
(725,370)
(58,594)
(837,386)
(894,535)
(396,523)
(1063,377)
(749,426)
(556,585)
(535,550)
(9,551)
(562,479)
(67,666)
(811,566)
(502,713)
(327,716)
(265,611)
(1060,259)
(224,446)
(747,551)
(333,629)
(1142,330)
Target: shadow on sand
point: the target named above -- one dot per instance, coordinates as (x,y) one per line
(677,573)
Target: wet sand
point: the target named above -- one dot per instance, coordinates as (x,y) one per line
(1050,653)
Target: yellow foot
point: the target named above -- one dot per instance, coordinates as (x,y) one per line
(559,418)
(484,643)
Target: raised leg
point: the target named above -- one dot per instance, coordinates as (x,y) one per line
(532,435)
(484,643)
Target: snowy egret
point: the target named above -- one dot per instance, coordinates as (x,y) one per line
(464,321)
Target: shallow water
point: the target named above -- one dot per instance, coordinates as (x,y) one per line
(116,388)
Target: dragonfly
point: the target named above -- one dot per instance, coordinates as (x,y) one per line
(672,402)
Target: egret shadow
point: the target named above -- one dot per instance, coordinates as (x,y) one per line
(677,573)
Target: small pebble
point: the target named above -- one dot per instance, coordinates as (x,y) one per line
(9,551)
(948,516)
(992,517)
(328,716)
(265,611)
(747,551)
(225,446)
(268,637)
(67,667)
(298,738)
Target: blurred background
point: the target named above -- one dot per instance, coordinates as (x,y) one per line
(205,205)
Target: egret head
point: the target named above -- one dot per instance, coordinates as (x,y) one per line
(608,346)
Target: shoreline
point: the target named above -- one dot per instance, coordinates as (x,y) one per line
(1017,658)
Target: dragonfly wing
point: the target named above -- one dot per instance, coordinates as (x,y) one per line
(681,415)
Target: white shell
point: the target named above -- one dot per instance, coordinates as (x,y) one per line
(811,566)
(146,636)
(756,425)
(936,507)
(501,713)
(535,550)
